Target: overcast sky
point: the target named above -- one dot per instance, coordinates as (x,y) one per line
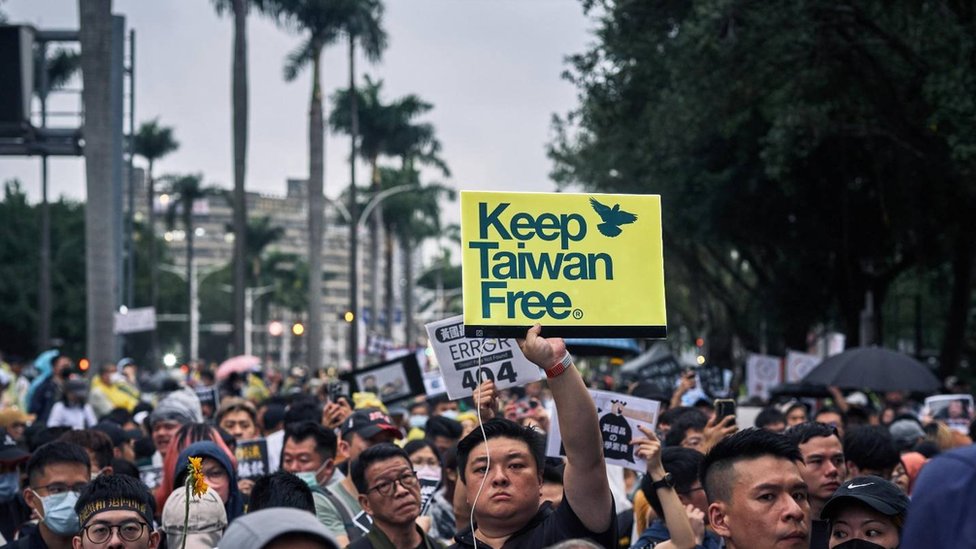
(490,67)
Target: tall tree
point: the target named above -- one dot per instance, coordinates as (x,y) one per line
(185,190)
(56,70)
(153,142)
(323,22)
(239,99)
(100,261)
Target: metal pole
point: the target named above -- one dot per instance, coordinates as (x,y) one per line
(248,321)
(194,312)
(44,292)
(353,227)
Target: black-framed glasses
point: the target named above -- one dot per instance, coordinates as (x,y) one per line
(408,479)
(130,530)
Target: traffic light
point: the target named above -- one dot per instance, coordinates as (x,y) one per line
(276,328)
(348,316)
(84,364)
(298,329)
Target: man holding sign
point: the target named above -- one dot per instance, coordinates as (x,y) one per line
(502,472)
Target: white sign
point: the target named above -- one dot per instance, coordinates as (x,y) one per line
(762,373)
(619,417)
(467,361)
(798,365)
(142,319)
(956,411)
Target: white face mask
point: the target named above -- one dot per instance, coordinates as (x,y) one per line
(428,472)
(450,414)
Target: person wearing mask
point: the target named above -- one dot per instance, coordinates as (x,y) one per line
(116,511)
(309,453)
(389,492)
(73,410)
(281,489)
(428,464)
(866,513)
(185,436)
(56,475)
(46,389)
(13,508)
(107,394)
(220,472)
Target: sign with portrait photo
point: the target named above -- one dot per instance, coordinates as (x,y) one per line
(956,411)
(619,417)
(391,381)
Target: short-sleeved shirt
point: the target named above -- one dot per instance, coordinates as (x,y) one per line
(548,527)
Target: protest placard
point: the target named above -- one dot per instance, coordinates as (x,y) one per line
(798,365)
(619,417)
(430,481)
(465,361)
(252,458)
(391,381)
(956,411)
(151,475)
(763,372)
(582,265)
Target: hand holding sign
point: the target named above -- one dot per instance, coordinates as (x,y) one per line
(486,398)
(649,449)
(544,352)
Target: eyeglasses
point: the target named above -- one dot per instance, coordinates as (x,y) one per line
(386,488)
(128,531)
(60,487)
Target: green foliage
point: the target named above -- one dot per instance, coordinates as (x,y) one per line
(153,141)
(807,152)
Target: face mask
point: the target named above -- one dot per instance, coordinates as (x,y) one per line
(429,472)
(858,543)
(59,513)
(9,485)
(418,422)
(450,414)
(311,478)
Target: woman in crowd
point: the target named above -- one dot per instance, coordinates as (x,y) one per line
(907,471)
(73,409)
(866,512)
(218,470)
(187,435)
(428,463)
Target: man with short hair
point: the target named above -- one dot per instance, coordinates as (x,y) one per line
(771,419)
(239,418)
(280,489)
(98,446)
(443,432)
(502,477)
(870,450)
(309,453)
(832,416)
(688,430)
(56,474)
(390,493)
(116,511)
(757,497)
(823,469)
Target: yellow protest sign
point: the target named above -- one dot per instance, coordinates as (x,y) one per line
(582,265)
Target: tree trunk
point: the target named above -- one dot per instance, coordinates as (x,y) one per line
(389,294)
(959,305)
(239,97)
(188,223)
(375,227)
(100,261)
(153,271)
(353,213)
(316,215)
(406,249)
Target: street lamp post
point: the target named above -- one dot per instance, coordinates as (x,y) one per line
(355,262)
(194,313)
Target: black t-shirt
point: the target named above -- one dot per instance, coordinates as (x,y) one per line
(548,527)
(12,514)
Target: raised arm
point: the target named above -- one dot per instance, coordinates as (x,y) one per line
(675,516)
(585,477)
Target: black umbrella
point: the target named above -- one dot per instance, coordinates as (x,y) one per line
(874,368)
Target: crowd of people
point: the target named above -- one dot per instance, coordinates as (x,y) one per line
(273,460)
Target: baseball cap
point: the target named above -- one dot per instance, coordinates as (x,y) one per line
(206,523)
(368,423)
(875,492)
(257,529)
(906,433)
(9,451)
(10,416)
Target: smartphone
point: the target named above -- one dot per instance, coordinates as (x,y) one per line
(335,391)
(724,407)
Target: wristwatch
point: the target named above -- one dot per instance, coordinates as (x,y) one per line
(560,366)
(665,482)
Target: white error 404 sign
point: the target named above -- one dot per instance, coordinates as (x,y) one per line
(467,361)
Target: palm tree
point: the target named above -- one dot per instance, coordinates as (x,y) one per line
(95,34)
(413,217)
(56,71)
(153,142)
(260,234)
(185,191)
(323,22)
(239,99)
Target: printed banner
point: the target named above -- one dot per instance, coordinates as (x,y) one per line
(619,417)
(582,265)
(151,476)
(391,381)
(466,361)
(956,411)
(252,458)
(798,365)
(763,372)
